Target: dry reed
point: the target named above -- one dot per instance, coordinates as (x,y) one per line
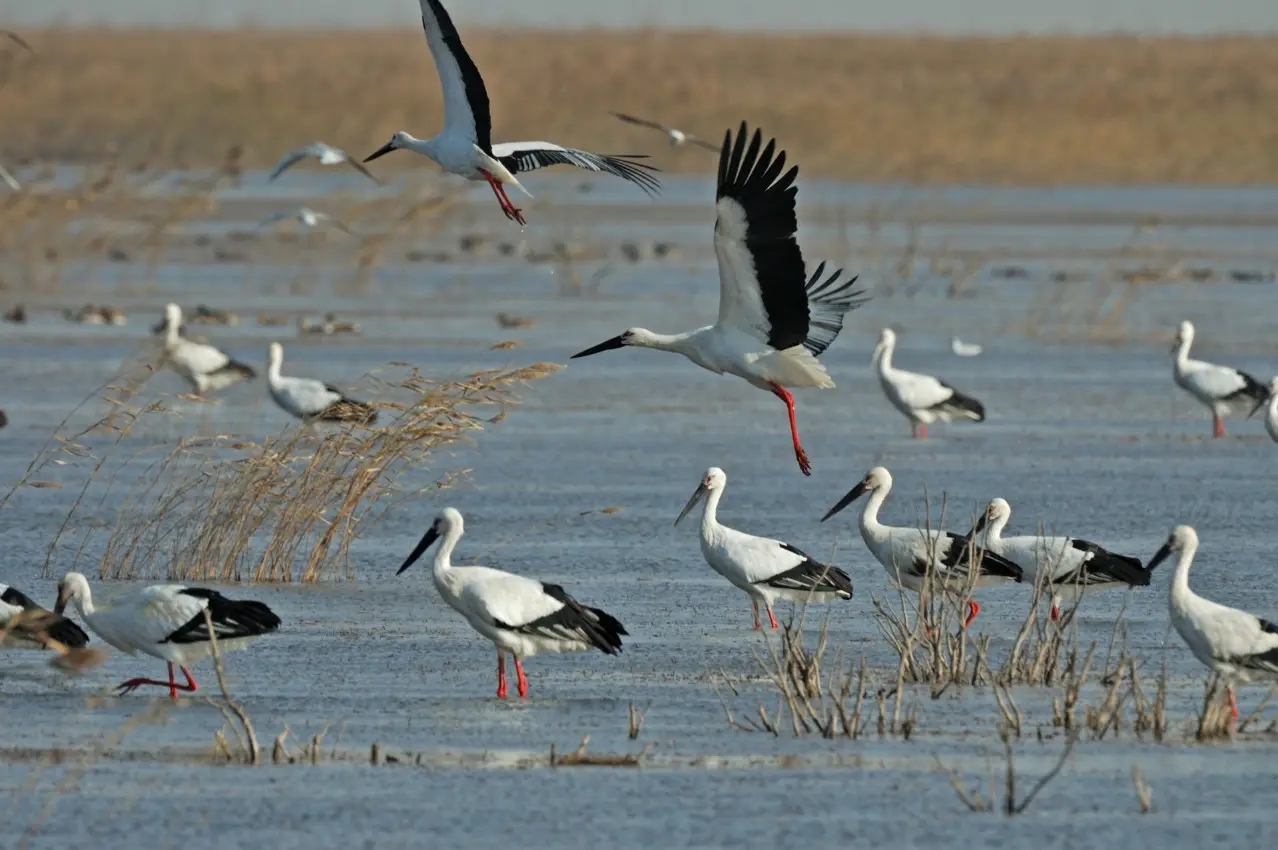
(1053,109)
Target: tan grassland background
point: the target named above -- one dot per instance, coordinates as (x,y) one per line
(923,109)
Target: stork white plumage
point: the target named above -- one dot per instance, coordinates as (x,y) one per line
(1237,645)
(26,625)
(964,349)
(908,553)
(774,320)
(306,217)
(923,399)
(311,400)
(521,616)
(766,569)
(204,366)
(167,621)
(465,146)
(325,153)
(1221,389)
(1064,566)
(676,138)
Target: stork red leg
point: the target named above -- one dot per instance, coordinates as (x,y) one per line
(501,675)
(133,684)
(513,211)
(1233,701)
(799,454)
(523,680)
(973,608)
(508,208)
(772,619)
(919,431)
(755,605)
(1218,426)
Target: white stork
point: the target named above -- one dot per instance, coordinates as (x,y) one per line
(923,399)
(519,615)
(774,320)
(166,621)
(25,624)
(1219,388)
(1066,566)
(906,553)
(203,366)
(1236,645)
(766,569)
(465,146)
(311,400)
(326,154)
(676,138)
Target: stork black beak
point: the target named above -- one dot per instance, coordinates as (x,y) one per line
(855,493)
(982,521)
(692,503)
(607,345)
(380,152)
(1260,404)
(1159,556)
(428,538)
(61,604)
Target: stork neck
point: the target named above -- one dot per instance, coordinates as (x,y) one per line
(83,601)
(870,525)
(994,529)
(171,331)
(444,554)
(273,368)
(1180,579)
(884,359)
(678,343)
(710,513)
(426,147)
(1182,352)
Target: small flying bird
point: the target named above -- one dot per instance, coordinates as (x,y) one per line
(767,570)
(964,349)
(167,621)
(1220,389)
(774,320)
(305,216)
(677,138)
(203,366)
(923,399)
(17,39)
(907,553)
(465,146)
(310,400)
(1236,645)
(26,625)
(326,154)
(1065,566)
(521,616)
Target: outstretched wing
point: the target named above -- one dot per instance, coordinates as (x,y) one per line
(465,97)
(520,157)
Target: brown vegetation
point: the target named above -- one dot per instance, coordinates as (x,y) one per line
(915,108)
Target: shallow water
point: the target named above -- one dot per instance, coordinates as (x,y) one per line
(1087,438)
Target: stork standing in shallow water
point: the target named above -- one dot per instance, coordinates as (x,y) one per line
(519,615)
(1234,644)
(907,553)
(311,400)
(1067,566)
(1220,389)
(767,570)
(922,398)
(774,320)
(203,366)
(167,621)
(465,146)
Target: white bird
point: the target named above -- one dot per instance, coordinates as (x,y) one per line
(677,138)
(465,146)
(923,399)
(906,553)
(519,615)
(311,400)
(204,366)
(767,570)
(1271,411)
(26,625)
(305,216)
(1234,644)
(326,154)
(166,621)
(1219,388)
(774,320)
(1067,566)
(10,180)
(964,349)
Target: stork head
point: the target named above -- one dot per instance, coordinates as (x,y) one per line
(887,341)
(877,479)
(397,142)
(715,479)
(1182,537)
(172,315)
(74,588)
(633,337)
(1184,335)
(998,513)
(449,520)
